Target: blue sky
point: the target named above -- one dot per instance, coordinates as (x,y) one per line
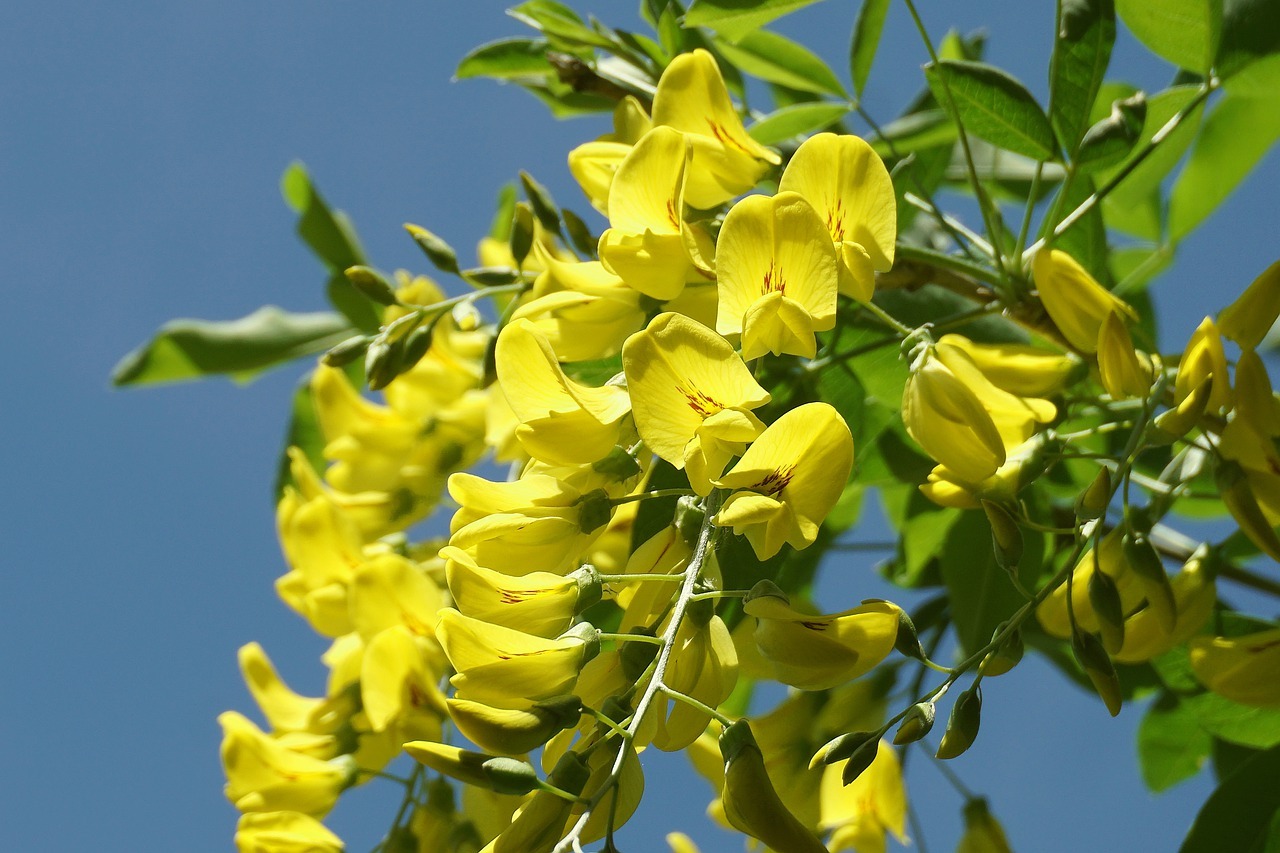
(140,151)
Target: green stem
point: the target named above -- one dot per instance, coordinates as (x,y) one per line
(630,638)
(884,317)
(639,577)
(644,496)
(717,594)
(694,703)
(1026,214)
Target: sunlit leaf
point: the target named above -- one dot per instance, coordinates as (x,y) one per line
(507,59)
(1081,53)
(733,19)
(992,104)
(1172,747)
(1238,815)
(1184,32)
(866,40)
(778,59)
(795,120)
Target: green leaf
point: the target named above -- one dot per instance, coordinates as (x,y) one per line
(1086,239)
(796,120)
(303,433)
(1239,814)
(866,40)
(733,19)
(190,349)
(1171,745)
(1184,32)
(332,238)
(507,59)
(566,103)
(982,595)
(500,225)
(1250,32)
(558,20)
(1235,136)
(915,132)
(1259,79)
(1241,724)
(993,105)
(778,59)
(1081,52)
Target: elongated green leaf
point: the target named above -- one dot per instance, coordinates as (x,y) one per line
(1184,32)
(507,59)
(982,595)
(332,238)
(866,40)
(558,20)
(1234,138)
(1242,724)
(1239,814)
(1081,53)
(1171,745)
(993,105)
(1250,32)
(190,349)
(795,120)
(778,59)
(1086,240)
(733,19)
(925,129)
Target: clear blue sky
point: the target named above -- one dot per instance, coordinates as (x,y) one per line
(140,149)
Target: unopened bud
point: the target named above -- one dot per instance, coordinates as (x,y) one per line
(1094,500)
(1142,559)
(1104,597)
(371,284)
(636,657)
(1005,656)
(544,207)
(382,363)
(861,759)
(1093,659)
(962,727)
(916,724)
(590,587)
(510,775)
(689,518)
(417,343)
(1006,535)
(467,316)
(907,642)
(1172,425)
(440,253)
(579,234)
(521,232)
(347,351)
(595,510)
(618,464)
(841,747)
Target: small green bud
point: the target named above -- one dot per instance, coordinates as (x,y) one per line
(382,363)
(841,747)
(579,234)
(618,464)
(1143,560)
(596,509)
(962,727)
(1093,659)
(544,206)
(1173,424)
(467,316)
(347,351)
(417,343)
(1104,597)
(521,232)
(1006,535)
(689,519)
(861,759)
(907,643)
(440,253)
(510,775)
(590,587)
(636,657)
(916,724)
(371,284)
(1005,656)
(1093,502)
(590,636)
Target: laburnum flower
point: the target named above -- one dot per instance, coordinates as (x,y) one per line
(777,276)
(1204,357)
(982,832)
(584,311)
(561,421)
(264,775)
(691,98)
(645,244)
(691,396)
(541,603)
(788,479)
(1074,300)
(322,545)
(849,186)
(817,652)
(1244,669)
(863,812)
(526,525)
(704,665)
(1124,371)
(284,832)
(285,710)
(399,675)
(962,419)
(1247,320)
(1020,369)
(593,164)
(1248,478)
(1157,615)
(501,666)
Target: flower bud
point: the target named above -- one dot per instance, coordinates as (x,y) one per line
(514,732)
(1237,494)
(1094,500)
(347,351)
(1093,659)
(371,284)
(467,316)
(509,775)
(751,804)
(521,232)
(982,833)
(1172,425)
(1104,597)
(1247,320)
(962,727)
(916,724)
(1004,657)
(440,253)
(382,363)
(1006,535)
(841,747)
(1145,563)
(689,518)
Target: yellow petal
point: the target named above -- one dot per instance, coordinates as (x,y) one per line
(1075,302)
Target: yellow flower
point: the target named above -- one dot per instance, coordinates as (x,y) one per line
(1204,357)
(777,276)
(692,99)
(982,832)
(540,603)
(814,652)
(1074,300)
(285,710)
(704,665)
(264,775)
(751,803)
(593,164)
(862,812)
(284,832)
(584,311)
(398,677)
(322,545)
(847,183)
(691,396)
(645,243)
(1125,372)
(561,421)
(789,479)
(1243,669)
(1247,320)
(499,666)
(1020,369)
